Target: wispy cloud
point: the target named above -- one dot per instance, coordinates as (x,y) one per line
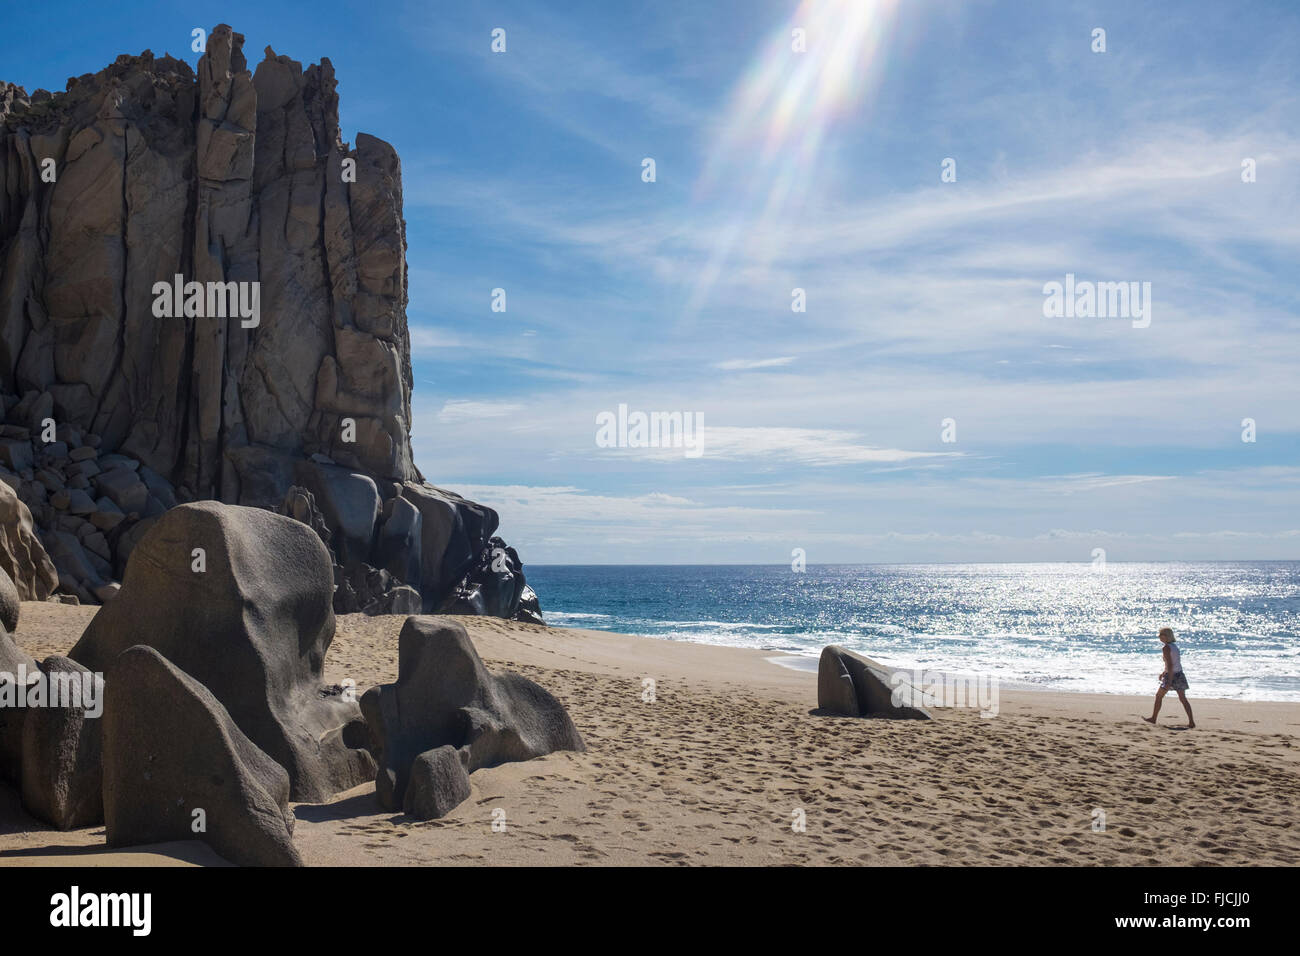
(732,365)
(806,446)
(924,299)
(467,411)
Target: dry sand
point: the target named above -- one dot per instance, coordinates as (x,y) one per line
(714,770)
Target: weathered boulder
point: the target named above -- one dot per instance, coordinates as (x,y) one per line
(22,556)
(438,784)
(361,588)
(397,545)
(124,488)
(300,505)
(80,573)
(350,504)
(252,626)
(454,535)
(62,771)
(444,696)
(465,598)
(177,767)
(835,690)
(841,672)
(493,585)
(398,600)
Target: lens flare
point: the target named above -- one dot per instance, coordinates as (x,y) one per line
(815,70)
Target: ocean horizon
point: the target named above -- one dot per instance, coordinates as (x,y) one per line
(1049,626)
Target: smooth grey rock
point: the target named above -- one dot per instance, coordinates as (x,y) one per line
(873,686)
(170,749)
(835,691)
(124,489)
(350,503)
(62,769)
(397,545)
(438,784)
(444,696)
(253,628)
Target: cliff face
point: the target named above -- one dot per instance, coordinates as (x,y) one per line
(145,177)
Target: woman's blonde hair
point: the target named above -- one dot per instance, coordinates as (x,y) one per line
(1166,633)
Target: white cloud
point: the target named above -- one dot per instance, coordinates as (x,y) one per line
(743,364)
(461,410)
(809,446)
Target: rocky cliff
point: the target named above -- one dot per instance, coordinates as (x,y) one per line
(203,296)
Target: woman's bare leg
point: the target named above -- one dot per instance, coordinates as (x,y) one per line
(1187,707)
(1155,711)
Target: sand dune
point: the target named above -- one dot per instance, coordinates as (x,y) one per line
(715,769)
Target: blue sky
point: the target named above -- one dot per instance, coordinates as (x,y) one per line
(821,170)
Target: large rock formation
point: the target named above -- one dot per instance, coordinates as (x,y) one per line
(445,698)
(114,410)
(239,599)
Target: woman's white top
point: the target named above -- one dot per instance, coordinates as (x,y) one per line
(1175,659)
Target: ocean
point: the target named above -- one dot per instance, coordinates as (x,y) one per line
(1069,627)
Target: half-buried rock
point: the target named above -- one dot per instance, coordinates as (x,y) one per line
(241,600)
(438,784)
(856,686)
(445,697)
(177,768)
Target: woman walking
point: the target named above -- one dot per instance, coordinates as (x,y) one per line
(1172,678)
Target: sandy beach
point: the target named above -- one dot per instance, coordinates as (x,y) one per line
(716,769)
